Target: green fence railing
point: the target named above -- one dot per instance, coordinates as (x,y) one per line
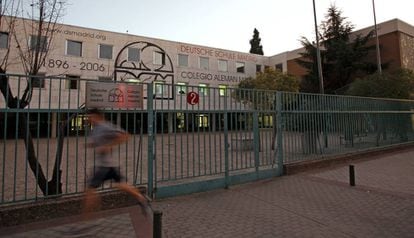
(178,144)
(316,126)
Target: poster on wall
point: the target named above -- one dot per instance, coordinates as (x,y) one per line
(114,95)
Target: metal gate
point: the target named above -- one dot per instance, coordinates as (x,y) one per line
(228,137)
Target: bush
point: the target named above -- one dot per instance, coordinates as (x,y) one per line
(398,84)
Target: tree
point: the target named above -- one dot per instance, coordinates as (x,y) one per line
(255,46)
(398,84)
(342,58)
(260,92)
(267,82)
(31,25)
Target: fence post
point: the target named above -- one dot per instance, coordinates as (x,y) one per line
(279,125)
(151,138)
(351,175)
(226,145)
(157,224)
(256,140)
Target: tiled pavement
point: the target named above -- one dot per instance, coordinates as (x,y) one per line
(313,204)
(122,223)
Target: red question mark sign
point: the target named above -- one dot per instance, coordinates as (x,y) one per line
(193,98)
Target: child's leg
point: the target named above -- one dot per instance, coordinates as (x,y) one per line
(142,201)
(90,202)
(133,191)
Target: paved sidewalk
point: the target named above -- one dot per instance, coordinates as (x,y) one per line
(313,204)
(123,223)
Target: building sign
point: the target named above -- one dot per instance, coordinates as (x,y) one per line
(78,33)
(208,76)
(114,95)
(221,54)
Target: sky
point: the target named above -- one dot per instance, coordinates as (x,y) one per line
(229,24)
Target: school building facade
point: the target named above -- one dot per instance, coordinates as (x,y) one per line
(174,68)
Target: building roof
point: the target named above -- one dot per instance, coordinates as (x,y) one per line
(383,29)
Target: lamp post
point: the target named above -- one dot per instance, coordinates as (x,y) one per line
(377,41)
(318,52)
(318,59)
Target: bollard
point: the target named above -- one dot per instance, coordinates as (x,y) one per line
(157,224)
(351,175)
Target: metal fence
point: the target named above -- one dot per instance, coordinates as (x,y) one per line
(230,136)
(317,126)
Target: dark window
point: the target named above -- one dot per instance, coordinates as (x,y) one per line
(39,43)
(133,54)
(104,78)
(38,81)
(258,68)
(279,67)
(105,51)
(74,48)
(240,67)
(4,40)
(72,82)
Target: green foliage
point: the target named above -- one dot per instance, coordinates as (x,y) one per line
(398,84)
(260,91)
(255,46)
(271,79)
(342,59)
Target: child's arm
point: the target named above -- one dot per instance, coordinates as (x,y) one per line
(120,138)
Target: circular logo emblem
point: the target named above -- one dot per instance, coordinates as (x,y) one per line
(193,98)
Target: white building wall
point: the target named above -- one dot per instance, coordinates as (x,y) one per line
(56,93)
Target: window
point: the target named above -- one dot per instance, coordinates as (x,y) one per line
(39,43)
(258,68)
(159,58)
(104,78)
(222,65)
(222,90)
(72,82)
(181,88)
(4,40)
(203,89)
(74,48)
(180,120)
(182,60)
(202,120)
(105,51)
(131,80)
(159,88)
(38,81)
(133,54)
(240,67)
(279,67)
(204,63)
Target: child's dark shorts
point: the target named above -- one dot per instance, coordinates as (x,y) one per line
(104,173)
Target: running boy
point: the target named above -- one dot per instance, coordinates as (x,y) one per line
(103,137)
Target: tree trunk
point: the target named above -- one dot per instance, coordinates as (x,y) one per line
(53,187)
